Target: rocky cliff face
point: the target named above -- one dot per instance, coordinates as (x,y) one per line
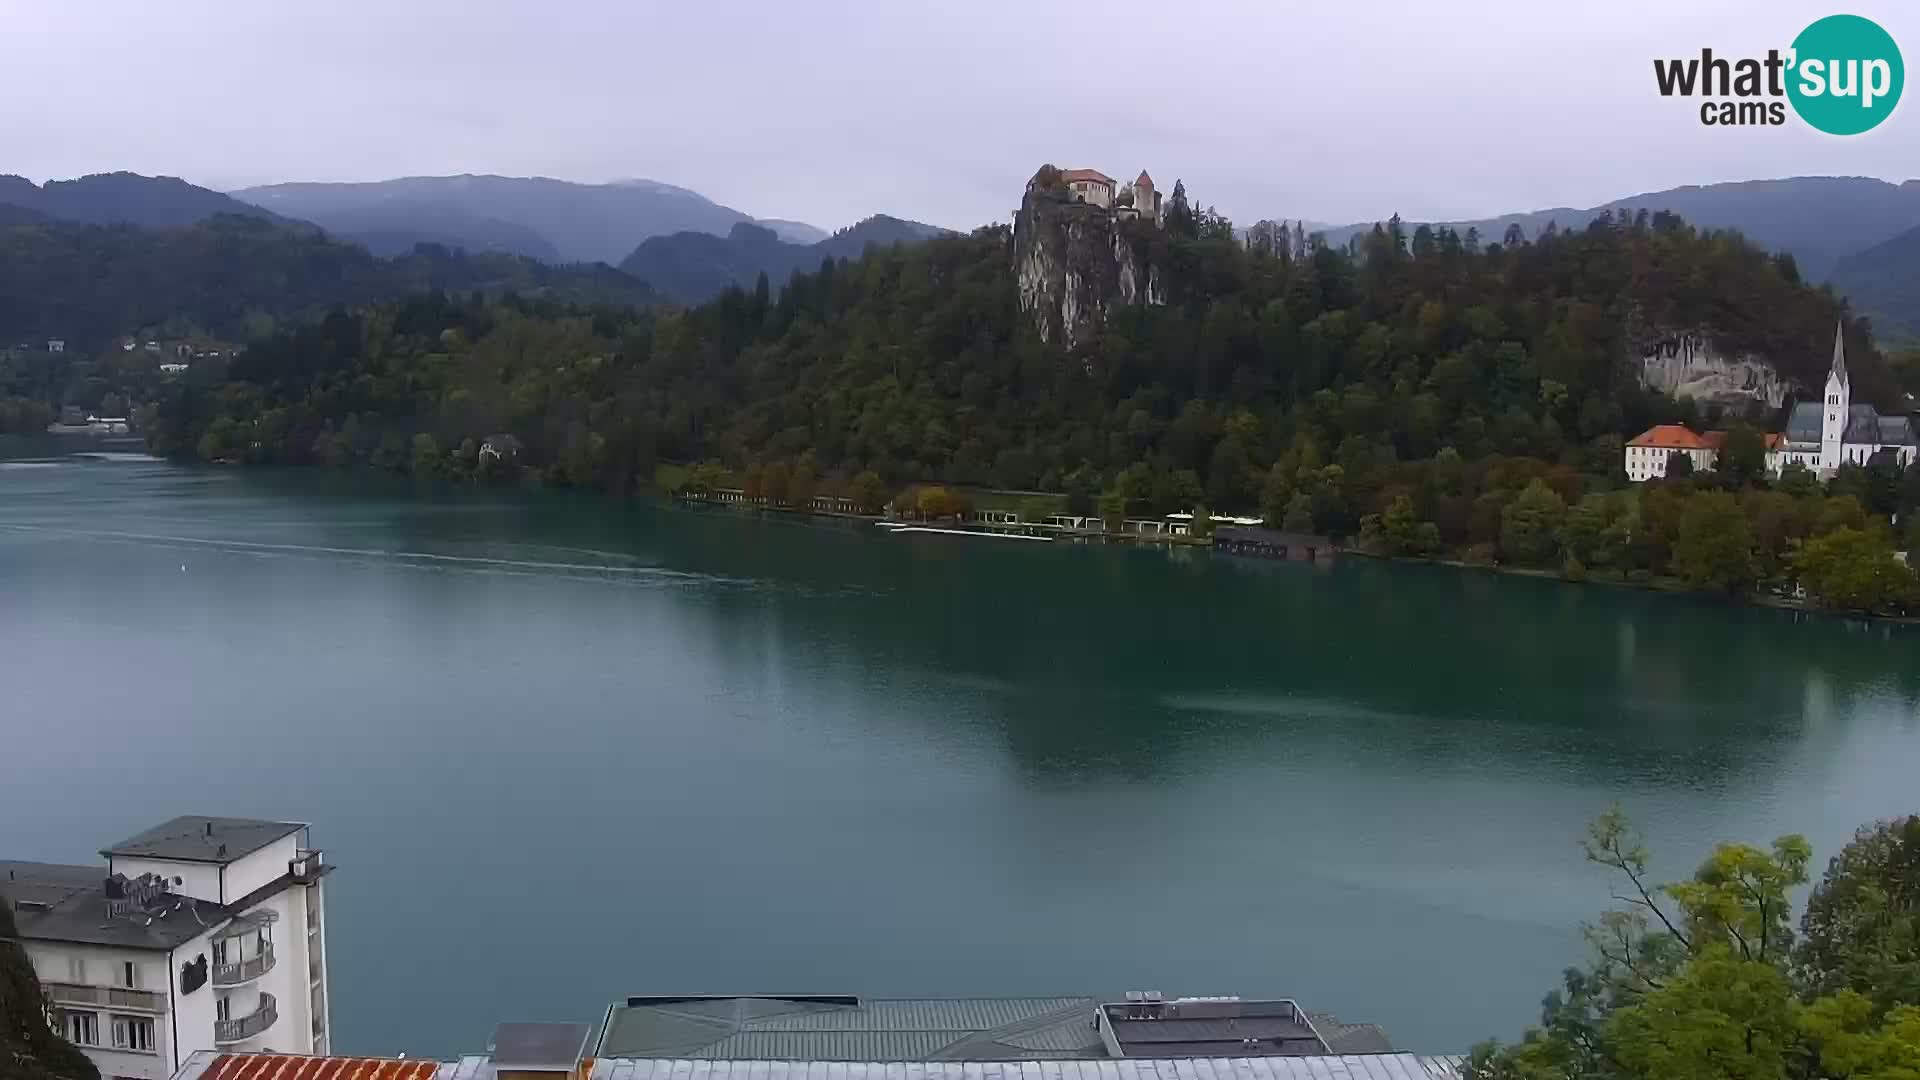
(1075,263)
(1687,365)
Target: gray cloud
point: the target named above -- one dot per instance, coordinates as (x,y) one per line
(830,110)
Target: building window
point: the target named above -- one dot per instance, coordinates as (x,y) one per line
(223,1009)
(220,952)
(133,1033)
(76,969)
(129,975)
(80,1028)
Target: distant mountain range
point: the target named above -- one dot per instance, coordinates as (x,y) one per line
(236,276)
(116,198)
(1859,234)
(552,220)
(1827,223)
(1884,280)
(691,267)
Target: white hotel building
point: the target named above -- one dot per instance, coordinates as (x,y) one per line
(198,934)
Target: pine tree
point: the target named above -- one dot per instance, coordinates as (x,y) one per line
(29,1048)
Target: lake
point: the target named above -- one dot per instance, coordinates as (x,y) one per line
(565,749)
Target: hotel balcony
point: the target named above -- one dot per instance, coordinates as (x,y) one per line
(111,997)
(246,1027)
(306,866)
(246,969)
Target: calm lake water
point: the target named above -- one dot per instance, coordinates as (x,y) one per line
(565,749)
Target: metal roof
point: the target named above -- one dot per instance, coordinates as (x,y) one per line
(210,1065)
(827,1028)
(193,838)
(1343,1067)
(540,1046)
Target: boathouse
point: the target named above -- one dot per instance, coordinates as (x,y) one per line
(1273,544)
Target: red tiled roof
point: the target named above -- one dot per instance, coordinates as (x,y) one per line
(1145,181)
(1094,175)
(1715,440)
(1671,437)
(303,1067)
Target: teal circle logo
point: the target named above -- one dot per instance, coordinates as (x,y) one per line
(1846,75)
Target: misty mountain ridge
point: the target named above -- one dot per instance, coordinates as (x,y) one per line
(1817,219)
(1856,233)
(537,216)
(120,198)
(1883,281)
(692,267)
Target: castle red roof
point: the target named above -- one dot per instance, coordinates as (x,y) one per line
(1094,175)
(1145,181)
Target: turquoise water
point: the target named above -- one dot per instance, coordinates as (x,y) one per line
(565,749)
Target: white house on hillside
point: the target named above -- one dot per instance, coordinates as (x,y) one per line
(199,934)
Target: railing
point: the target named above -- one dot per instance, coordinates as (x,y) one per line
(244,971)
(304,868)
(112,997)
(246,1027)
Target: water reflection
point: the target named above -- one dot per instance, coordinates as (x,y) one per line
(701,751)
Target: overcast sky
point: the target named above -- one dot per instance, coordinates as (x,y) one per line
(827,111)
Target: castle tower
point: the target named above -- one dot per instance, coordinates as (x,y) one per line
(1834,410)
(1145,199)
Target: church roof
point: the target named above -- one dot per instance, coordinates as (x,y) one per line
(1898,431)
(1839,353)
(1145,181)
(1094,175)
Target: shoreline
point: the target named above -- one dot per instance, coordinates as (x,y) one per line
(1664,586)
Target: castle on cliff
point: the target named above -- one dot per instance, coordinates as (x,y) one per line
(1135,200)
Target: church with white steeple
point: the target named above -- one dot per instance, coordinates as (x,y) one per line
(1821,435)
(1826,434)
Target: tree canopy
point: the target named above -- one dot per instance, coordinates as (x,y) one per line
(29,1048)
(1701,979)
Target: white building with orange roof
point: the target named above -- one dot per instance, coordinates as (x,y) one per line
(1648,453)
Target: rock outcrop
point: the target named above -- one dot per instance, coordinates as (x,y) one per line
(1075,263)
(1686,364)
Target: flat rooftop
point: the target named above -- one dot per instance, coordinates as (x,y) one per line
(193,838)
(830,1027)
(56,902)
(1148,1027)
(540,1046)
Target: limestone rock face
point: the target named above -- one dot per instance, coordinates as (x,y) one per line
(1685,364)
(1074,263)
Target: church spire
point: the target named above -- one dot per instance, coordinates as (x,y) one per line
(1840,353)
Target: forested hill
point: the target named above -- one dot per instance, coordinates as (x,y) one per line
(124,198)
(917,363)
(693,266)
(236,277)
(1884,281)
